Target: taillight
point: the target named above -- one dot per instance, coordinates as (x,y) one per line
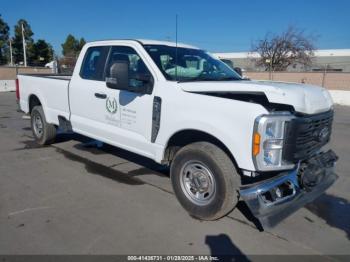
(17,89)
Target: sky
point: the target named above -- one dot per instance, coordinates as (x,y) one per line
(217,26)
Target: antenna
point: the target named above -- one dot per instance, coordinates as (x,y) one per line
(176,48)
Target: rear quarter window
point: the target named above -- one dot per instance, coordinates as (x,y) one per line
(94,63)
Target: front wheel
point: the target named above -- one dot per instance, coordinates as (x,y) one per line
(205,180)
(44,133)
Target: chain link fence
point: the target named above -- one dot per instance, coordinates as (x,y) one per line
(329,80)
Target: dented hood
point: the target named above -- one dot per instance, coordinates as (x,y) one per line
(306,99)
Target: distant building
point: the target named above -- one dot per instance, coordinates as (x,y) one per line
(337,60)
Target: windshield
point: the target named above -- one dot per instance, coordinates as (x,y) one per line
(187,64)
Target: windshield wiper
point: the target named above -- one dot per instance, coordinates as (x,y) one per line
(195,79)
(210,79)
(228,79)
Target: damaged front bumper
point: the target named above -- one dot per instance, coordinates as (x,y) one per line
(273,200)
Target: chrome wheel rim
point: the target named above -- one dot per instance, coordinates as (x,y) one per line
(37,125)
(197,183)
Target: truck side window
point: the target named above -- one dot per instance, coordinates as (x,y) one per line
(137,67)
(94,63)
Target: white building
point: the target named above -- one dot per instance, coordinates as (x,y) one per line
(333,59)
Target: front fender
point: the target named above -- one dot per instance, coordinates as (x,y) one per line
(230,121)
(237,141)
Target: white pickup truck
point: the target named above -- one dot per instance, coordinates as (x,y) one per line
(223,137)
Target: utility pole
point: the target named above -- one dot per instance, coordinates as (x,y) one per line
(269,62)
(324,75)
(11,53)
(24,47)
(271,76)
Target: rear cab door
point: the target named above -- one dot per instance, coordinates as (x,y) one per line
(117,117)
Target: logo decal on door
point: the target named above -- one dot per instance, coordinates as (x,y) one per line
(111,105)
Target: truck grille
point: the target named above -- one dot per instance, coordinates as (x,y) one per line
(306,135)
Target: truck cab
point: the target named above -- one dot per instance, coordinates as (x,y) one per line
(224,138)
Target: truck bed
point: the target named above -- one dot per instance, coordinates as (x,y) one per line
(53,76)
(50,89)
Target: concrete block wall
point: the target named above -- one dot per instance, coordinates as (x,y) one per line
(10,73)
(338,84)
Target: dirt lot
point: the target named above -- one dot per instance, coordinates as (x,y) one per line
(77,197)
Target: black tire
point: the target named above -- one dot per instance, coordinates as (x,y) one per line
(48,134)
(223,171)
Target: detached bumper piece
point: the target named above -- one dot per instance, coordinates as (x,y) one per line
(273,200)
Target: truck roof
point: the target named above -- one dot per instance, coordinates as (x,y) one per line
(143,42)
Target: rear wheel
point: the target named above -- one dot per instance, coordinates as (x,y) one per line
(205,180)
(44,133)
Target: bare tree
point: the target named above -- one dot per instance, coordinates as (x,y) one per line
(277,52)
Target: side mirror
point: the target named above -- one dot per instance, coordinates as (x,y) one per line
(145,78)
(119,76)
(238,71)
(141,83)
(120,79)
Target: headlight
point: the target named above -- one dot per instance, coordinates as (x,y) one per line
(268,140)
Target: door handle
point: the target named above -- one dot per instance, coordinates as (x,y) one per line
(101,96)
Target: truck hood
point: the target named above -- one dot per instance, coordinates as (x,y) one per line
(306,99)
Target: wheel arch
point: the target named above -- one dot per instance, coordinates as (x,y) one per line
(187,136)
(33,100)
(36,100)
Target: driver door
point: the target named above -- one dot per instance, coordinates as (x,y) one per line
(133,110)
(117,117)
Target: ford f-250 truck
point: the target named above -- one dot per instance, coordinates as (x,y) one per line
(223,137)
